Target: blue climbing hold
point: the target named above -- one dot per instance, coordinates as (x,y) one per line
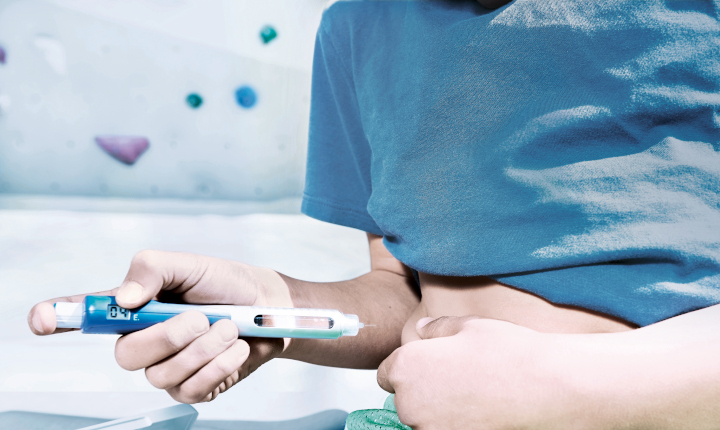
(246,97)
(267,34)
(194,100)
(2,55)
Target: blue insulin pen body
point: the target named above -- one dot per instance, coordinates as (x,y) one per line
(102,315)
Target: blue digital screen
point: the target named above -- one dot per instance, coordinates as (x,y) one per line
(117,313)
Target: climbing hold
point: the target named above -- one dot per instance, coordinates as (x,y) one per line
(126,149)
(2,55)
(194,100)
(246,97)
(267,34)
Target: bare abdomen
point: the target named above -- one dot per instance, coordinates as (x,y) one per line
(484,297)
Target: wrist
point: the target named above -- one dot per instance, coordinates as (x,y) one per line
(631,381)
(273,290)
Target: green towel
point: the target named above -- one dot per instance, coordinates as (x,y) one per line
(376,419)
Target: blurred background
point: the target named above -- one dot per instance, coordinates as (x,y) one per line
(156,124)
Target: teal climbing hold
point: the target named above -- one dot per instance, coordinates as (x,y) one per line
(267,34)
(246,97)
(376,419)
(194,100)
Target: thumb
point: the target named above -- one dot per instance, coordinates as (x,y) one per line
(430,328)
(153,271)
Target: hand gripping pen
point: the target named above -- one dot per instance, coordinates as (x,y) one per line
(102,315)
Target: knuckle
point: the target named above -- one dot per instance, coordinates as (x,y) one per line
(174,338)
(122,355)
(184,395)
(145,258)
(205,349)
(197,396)
(196,322)
(179,332)
(243,349)
(407,353)
(394,375)
(264,349)
(227,330)
(226,364)
(402,368)
(157,377)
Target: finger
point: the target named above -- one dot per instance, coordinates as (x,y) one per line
(386,370)
(153,271)
(216,376)
(177,368)
(262,350)
(429,328)
(146,347)
(42,320)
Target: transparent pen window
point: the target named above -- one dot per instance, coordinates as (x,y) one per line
(290,321)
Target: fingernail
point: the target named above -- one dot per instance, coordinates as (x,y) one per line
(422,322)
(37,322)
(132,292)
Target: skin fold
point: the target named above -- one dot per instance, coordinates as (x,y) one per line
(498,358)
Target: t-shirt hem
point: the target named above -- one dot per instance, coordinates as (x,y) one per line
(336,213)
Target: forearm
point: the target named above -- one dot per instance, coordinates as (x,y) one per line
(381,298)
(663,376)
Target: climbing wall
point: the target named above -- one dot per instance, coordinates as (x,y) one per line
(97,107)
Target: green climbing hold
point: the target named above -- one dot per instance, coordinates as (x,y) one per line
(267,34)
(194,100)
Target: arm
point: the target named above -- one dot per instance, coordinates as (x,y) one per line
(663,376)
(468,372)
(384,297)
(195,362)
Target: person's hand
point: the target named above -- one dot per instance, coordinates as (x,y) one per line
(184,355)
(473,373)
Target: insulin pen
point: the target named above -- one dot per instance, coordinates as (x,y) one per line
(102,315)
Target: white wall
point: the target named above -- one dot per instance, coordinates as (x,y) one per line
(78,68)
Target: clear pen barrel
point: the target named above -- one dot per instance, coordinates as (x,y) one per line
(292,321)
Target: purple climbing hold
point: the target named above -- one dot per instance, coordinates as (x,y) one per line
(126,149)
(2,55)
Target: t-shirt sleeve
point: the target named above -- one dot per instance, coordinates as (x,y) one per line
(337,181)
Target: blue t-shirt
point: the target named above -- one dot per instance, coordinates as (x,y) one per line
(567,148)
